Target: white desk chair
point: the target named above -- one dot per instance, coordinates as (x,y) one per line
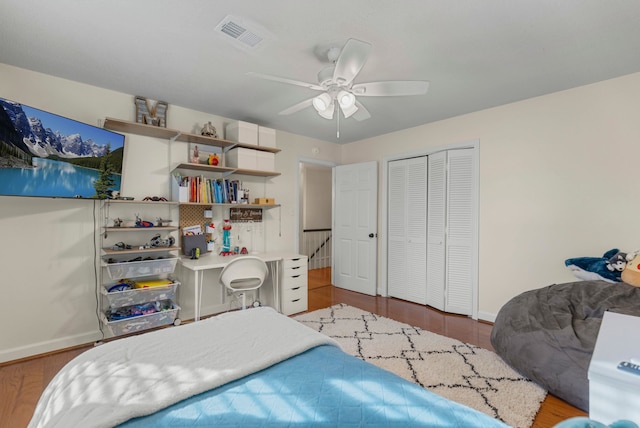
(244,274)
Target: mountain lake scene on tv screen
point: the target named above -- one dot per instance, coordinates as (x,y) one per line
(43,154)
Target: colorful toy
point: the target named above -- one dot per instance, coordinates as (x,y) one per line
(226,237)
(213,159)
(142,223)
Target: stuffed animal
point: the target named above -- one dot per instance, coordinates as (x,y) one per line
(618,262)
(594,268)
(631,273)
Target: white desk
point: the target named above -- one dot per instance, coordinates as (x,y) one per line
(215,261)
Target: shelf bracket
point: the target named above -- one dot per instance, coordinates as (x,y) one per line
(228,173)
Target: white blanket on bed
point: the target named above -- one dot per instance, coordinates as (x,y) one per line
(139,375)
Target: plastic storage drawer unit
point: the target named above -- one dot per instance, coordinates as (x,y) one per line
(142,322)
(119,299)
(614,394)
(120,270)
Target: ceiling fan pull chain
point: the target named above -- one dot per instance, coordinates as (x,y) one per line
(338,124)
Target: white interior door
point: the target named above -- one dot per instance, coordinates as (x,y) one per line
(355,222)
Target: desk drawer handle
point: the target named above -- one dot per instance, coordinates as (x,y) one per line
(297,300)
(295,276)
(297,288)
(297,267)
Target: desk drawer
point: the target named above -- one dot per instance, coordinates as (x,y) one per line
(294,293)
(294,282)
(295,302)
(294,271)
(295,263)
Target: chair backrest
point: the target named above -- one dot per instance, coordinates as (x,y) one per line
(244,273)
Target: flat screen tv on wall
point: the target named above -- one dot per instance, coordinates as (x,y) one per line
(43,154)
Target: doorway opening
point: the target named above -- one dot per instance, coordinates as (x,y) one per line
(315,205)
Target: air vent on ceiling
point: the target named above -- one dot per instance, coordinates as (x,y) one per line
(240,31)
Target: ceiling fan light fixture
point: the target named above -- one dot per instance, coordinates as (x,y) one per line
(348,111)
(322,102)
(346,99)
(328,112)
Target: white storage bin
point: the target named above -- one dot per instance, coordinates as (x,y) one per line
(125,269)
(242,158)
(266,137)
(242,132)
(142,322)
(265,161)
(614,394)
(119,299)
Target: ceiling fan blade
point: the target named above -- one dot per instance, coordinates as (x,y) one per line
(297,107)
(351,60)
(391,88)
(285,80)
(361,114)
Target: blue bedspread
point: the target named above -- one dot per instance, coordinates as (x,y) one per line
(322,387)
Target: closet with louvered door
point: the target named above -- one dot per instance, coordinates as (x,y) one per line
(451,220)
(406,273)
(432,230)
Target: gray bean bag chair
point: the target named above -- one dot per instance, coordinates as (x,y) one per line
(548,335)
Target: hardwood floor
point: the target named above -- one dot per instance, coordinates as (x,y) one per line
(22,382)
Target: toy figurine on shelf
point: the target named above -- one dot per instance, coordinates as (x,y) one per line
(196,156)
(213,159)
(226,238)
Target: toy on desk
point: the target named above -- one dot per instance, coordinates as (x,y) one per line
(213,159)
(155,198)
(226,237)
(195,253)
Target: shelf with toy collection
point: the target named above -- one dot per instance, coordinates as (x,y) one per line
(137,290)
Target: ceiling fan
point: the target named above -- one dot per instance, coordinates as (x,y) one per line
(336,82)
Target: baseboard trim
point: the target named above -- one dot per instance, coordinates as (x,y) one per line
(39,348)
(487,316)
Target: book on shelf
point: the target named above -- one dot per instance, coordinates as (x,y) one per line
(211,191)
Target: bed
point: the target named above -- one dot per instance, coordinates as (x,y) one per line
(239,369)
(549,334)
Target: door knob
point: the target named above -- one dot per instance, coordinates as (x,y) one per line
(371,235)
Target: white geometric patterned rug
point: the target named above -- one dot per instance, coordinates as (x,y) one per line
(464,373)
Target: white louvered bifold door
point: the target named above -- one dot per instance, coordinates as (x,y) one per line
(407,264)
(417,230)
(436,232)
(397,228)
(461,212)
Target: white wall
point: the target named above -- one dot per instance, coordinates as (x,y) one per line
(557,180)
(48,245)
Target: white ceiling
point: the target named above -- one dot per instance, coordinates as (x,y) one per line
(476,54)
